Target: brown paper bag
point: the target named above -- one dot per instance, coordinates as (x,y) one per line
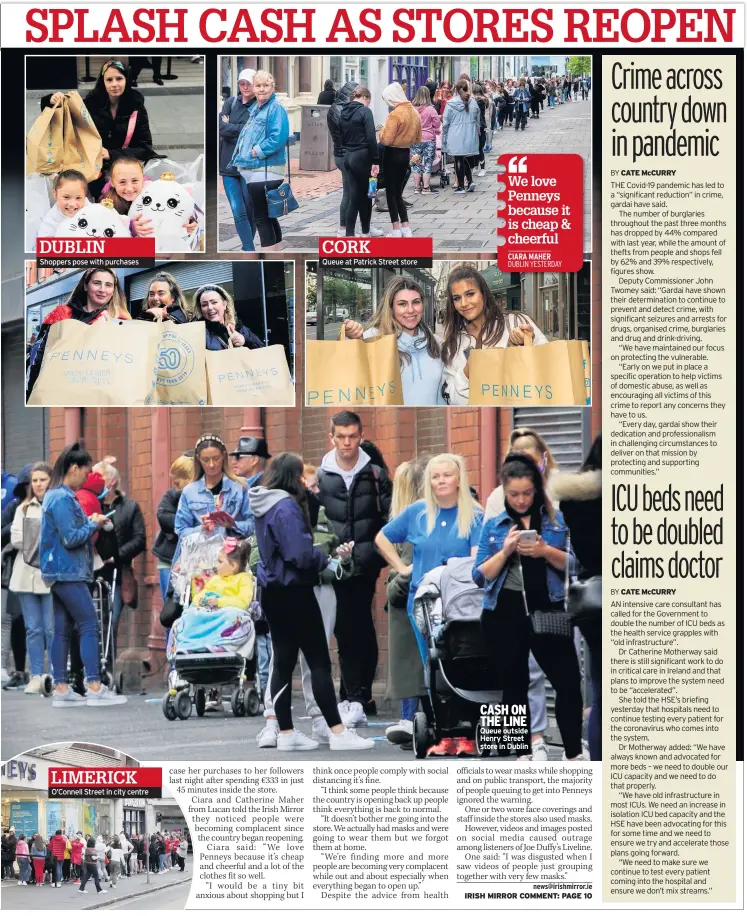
(84,140)
(45,143)
(353,373)
(104,364)
(549,375)
(180,364)
(239,377)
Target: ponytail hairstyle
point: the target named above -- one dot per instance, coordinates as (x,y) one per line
(284,472)
(71,456)
(517,465)
(463,85)
(239,553)
(212,441)
(523,438)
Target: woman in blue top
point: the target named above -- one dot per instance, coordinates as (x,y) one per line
(401,312)
(521,563)
(66,562)
(445,524)
(260,155)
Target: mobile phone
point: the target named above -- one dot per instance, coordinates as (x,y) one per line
(528,537)
(110,514)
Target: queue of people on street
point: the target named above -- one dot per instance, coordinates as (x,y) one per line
(98,296)
(77,858)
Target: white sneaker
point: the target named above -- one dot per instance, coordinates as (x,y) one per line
(213,705)
(296,741)
(340,233)
(320,730)
(352,715)
(349,740)
(68,698)
(4,677)
(376,233)
(406,233)
(102,891)
(104,696)
(268,737)
(481,173)
(399,733)
(394,234)
(584,755)
(82,892)
(34,685)
(539,750)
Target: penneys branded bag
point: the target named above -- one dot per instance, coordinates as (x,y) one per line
(353,373)
(180,364)
(240,377)
(555,374)
(82,139)
(45,143)
(104,364)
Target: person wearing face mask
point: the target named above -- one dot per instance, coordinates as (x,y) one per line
(233,117)
(521,563)
(223,328)
(474,320)
(401,312)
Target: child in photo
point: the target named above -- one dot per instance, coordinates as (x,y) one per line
(70,192)
(231,585)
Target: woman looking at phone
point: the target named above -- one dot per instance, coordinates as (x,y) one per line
(521,562)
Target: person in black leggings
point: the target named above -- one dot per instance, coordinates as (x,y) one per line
(522,576)
(288,570)
(361,159)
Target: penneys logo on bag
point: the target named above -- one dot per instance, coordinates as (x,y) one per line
(100,356)
(519,392)
(247,375)
(176,359)
(337,397)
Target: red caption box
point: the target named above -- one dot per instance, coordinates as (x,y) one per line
(105,782)
(541,202)
(96,252)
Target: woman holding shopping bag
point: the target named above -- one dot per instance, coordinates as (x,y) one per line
(223,328)
(97,296)
(260,156)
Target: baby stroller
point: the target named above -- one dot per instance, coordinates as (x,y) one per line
(208,650)
(460,673)
(439,169)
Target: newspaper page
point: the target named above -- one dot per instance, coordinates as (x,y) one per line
(370,404)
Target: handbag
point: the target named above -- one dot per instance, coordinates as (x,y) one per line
(585,600)
(129,588)
(280,201)
(558,622)
(170,612)
(31,538)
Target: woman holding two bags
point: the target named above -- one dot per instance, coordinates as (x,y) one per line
(260,156)
(26,581)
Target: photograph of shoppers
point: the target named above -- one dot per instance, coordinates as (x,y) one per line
(154,127)
(460,157)
(523,577)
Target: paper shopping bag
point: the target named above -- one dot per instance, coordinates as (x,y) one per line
(549,375)
(240,377)
(82,139)
(45,143)
(353,373)
(104,364)
(180,364)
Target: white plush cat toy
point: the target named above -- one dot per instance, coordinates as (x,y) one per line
(168,205)
(94,221)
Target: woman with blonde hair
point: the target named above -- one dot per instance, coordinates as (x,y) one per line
(401,312)
(446,523)
(98,296)
(223,328)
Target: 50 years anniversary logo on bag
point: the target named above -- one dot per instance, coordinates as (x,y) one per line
(175,361)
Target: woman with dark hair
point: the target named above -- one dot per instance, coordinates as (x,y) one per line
(120,117)
(288,571)
(402,312)
(327,95)
(165,300)
(98,296)
(521,562)
(580,497)
(90,869)
(357,142)
(66,558)
(474,321)
(223,328)
(461,133)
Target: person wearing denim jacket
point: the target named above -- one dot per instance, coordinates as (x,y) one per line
(519,578)
(66,562)
(260,155)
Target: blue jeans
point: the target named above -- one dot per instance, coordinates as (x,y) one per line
(58,871)
(409,708)
(24,868)
(116,614)
(39,620)
(242,209)
(264,652)
(162,861)
(73,609)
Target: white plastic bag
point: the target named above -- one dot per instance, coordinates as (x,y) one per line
(198,559)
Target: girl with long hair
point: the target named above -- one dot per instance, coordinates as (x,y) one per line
(97,296)
(401,312)
(521,563)
(288,570)
(223,328)
(446,523)
(423,153)
(474,321)
(165,300)
(461,133)
(66,561)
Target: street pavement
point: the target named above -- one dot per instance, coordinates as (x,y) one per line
(140,729)
(458,223)
(162,892)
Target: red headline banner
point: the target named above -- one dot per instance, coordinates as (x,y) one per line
(363,24)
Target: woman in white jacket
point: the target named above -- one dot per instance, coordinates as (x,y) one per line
(26,580)
(474,320)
